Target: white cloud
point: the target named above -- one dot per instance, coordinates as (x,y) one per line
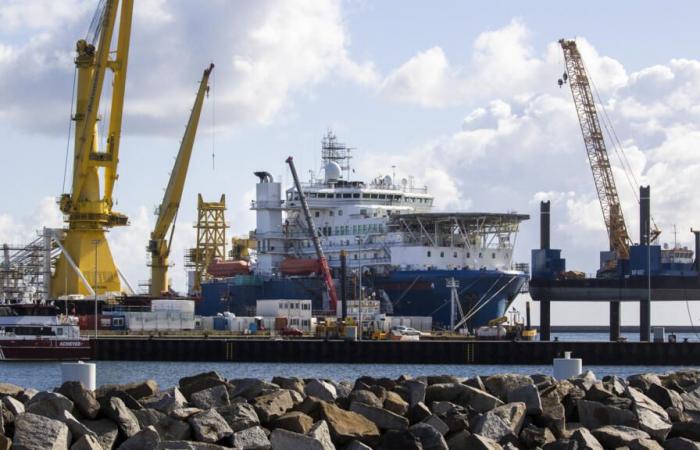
(19,230)
(265,53)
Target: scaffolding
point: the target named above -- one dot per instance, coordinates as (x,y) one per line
(211,242)
(25,270)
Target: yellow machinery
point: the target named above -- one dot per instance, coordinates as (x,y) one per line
(240,248)
(159,245)
(211,240)
(86,262)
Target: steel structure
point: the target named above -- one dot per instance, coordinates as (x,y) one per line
(88,208)
(595,148)
(25,270)
(211,240)
(162,235)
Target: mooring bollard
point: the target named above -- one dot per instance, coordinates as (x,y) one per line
(80,371)
(567,367)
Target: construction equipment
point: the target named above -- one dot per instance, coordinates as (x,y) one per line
(88,212)
(323,262)
(597,152)
(161,240)
(211,241)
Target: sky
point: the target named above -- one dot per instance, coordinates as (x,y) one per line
(460,95)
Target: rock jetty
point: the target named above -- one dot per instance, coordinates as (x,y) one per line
(208,412)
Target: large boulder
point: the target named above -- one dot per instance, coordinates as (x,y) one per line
(553,414)
(105,430)
(271,406)
(295,421)
(347,425)
(651,416)
(365,396)
(477,442)
(512,414)
(680,443)
(492,426)
(321,389)
(36,432)
(394,403)
(83,399)
(464,395)
(239,416)
(528,394)
(126,420)
(253,438)
(688,430)
(199,382)
(614,436)
(249,388)
(664,397)
(385,420)
(137,390)
(532,436)
(585,439)
(167,427)
(212,397)
(415,390)
(87,442)
(291,383)
(10,389)
(144,439)
(49,404)
(501,385)
(209,426)
(594,415)
(13,405)
(437,423)
(644,381)
(165,401)
(429,437)
(691,401)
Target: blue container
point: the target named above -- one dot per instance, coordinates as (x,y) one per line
(253,327)
(220,323)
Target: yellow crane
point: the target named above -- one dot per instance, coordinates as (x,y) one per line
(86,265)
(159,246)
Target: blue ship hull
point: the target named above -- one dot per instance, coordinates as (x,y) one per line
(487,293)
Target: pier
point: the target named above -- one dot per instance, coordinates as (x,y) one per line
(391,352)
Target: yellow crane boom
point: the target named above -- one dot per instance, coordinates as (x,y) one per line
(159,245)
(596,150)
(88,211)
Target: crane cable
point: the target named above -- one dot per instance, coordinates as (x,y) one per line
(70,126)
(213,121)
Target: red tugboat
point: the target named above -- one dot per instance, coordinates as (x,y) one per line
(30,333)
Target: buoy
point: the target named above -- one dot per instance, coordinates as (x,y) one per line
(567,367)
(80,371)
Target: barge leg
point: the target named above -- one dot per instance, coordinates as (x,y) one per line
(614,321)
(645,320)
(545,321)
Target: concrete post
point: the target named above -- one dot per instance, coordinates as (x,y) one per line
(545,321)
(614,321)
(645,320)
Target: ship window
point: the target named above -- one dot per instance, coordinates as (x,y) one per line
(454,255)
(493,255)
(469,255)
(347,195)
(382,196)
(340,212)
(365,195)
(59,331)
(312,195)
(330,213)
(321,195)
(442,254)
(355,256)
(480,255)
(355,195)
(317,214)
(428,253)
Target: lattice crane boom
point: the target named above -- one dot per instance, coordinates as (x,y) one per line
(596,149)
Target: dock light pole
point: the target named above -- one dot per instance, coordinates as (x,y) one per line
(359,302)
(96,243)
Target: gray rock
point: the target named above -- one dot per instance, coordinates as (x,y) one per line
(688,430)
(614,384)
(429,437)
(271,406)
(458,440)
(184,413)
(342,389)
(691,401)
(144,439)
(613,436)
(49,404)
(561,444)
(644,381)
(367,397)
(416,391)
(441,379)
(239,416)
(165,401)
(443,407)
(464,395)
(10,389)
(529,395)
(250,388)
(585,381)
(126,420)
(476,442)
(209,426)
(322,434)
(501,385)
(385,420)
(253,438)
(293,383)
(346,426)
(651,416)
(105,430)
(189,445)
(553,413)
(288,440)
(532,436)
(357,445)
(513,414)
(586,440)
(13,405)
(77,429)
(492,426)
(36,432)
(644,444)
(598,392)
(394,403)
(212,397)
(168,428)
(87,442)
(6,442)
(437,423)
(666,398)
(83,399)
(680,443)
(321,389)
(295,421)
(190,385)
(594,415)
(137,390)
(419,412)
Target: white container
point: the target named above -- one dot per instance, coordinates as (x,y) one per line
(80,371)
(567,367)
(172,305)
(659,334)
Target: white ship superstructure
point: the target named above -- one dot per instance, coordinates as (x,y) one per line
(380,225)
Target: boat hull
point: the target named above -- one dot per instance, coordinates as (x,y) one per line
(44,350)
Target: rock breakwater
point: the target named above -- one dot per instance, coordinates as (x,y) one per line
(209,412)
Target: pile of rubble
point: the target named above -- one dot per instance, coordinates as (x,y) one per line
(508,411)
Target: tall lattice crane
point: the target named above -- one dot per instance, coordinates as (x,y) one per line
(88,209)
(159,245)
(595,147)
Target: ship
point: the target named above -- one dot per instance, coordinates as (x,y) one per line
(399,250)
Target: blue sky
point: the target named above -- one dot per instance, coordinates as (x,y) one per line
(461,95)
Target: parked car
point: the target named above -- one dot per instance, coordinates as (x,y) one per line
(291,331)
(405,331)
